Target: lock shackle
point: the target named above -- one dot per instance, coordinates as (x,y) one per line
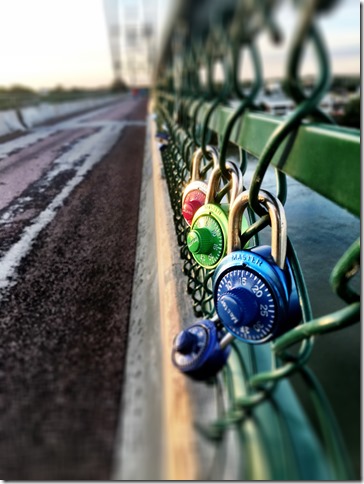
(278,224)
(227,339)
(240,180)
(234,183)
(196,161)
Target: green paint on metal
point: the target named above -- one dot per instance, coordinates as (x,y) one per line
(324,158)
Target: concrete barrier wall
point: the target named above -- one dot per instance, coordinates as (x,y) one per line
(158,410)
(35,115)
(10,122)
(14,120)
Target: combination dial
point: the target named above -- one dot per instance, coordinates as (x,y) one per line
(196,350)
(246,305)
(193,198)
(207,237)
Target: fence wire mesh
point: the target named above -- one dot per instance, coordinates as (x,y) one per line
(247,391)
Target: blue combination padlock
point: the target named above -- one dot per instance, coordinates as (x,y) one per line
(201,350)
(255,293)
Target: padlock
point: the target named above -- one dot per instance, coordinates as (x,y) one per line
(163,140)
(207,239)
(194,194)
(201,350)
(255,294)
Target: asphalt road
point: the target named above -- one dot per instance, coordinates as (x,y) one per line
(69,200)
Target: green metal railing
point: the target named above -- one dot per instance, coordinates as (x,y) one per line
(306,145)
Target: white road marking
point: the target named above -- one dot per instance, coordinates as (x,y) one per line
(92,150)
(66,161)
(26,140)
(105,122)
(63,163)
(41,133)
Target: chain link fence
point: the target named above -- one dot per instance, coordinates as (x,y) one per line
(196,108)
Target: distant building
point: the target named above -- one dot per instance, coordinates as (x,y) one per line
(133,30)
(273,100)
(276,105)
(138,32)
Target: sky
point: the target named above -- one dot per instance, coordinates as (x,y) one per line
(48,42)
(44,43)
(340,28)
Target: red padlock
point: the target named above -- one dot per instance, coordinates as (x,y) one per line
(194,194)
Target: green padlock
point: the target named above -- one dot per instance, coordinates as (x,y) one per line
(207,239)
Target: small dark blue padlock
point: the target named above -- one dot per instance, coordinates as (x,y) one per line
(201,350)
(254,290)
(163,139)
